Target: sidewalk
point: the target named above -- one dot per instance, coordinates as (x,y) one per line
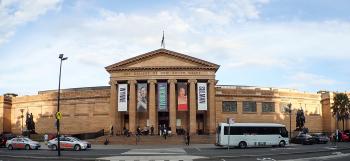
(156,146)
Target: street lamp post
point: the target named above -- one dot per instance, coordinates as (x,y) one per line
(290,120)
(58,105)
(22,120)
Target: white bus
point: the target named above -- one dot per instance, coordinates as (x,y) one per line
(244,135)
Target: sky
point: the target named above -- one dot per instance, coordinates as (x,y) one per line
(304,45)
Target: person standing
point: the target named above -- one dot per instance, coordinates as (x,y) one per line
(46,138)
(111,130)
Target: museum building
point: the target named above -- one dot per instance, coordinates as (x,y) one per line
(164,88)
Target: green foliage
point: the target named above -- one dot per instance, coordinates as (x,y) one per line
(341,107)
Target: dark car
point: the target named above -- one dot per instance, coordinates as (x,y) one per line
(303,138)
(320,138)
(4,138)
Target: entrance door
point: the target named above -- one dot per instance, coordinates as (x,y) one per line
(163,119)
(200,123)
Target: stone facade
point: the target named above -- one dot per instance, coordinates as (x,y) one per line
(94,108)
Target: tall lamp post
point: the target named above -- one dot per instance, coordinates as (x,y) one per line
(58,105)
(22,120)
(290,120)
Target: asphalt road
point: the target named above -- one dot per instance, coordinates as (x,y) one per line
(205,153)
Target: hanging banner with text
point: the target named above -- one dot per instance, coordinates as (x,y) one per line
(182,97)
(162,96)
(122,97)
(202,96)
(141,97)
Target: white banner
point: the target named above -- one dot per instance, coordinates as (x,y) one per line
(202,96)
(122,97)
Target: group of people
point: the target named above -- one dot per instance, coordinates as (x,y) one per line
(163,131)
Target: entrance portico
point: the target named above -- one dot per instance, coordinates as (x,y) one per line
(174,70)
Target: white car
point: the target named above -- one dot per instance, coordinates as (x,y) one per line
(69,143)
(22,143)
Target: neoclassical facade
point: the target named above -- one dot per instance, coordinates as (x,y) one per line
(164,88)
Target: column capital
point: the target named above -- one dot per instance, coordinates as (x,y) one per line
(152,81)
(212,81)
(113,82)
(192,81)
(172,81)
(132,81)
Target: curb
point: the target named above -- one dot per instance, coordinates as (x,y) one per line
(307,152)
(48,157)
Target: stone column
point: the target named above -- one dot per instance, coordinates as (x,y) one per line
(152,104)
(172,105)
(211,109)
(132,106)
(193,106)
(113,110)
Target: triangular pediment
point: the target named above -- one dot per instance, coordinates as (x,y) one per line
(162,59)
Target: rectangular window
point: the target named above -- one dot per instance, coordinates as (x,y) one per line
(229,106)
(249,106)
(268,107)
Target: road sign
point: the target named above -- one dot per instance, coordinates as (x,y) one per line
(58,115)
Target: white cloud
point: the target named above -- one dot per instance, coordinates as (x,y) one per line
(234,40)
(303,79)
(14,13)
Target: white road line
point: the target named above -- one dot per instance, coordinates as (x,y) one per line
(339,155)
(147,158)
(156,151)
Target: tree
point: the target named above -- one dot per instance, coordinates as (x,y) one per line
(340,107)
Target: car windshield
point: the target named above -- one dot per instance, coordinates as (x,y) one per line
(27,139)
(74,139)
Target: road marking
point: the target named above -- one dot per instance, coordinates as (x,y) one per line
(148,158)
(331,147)
(156,151)
(266,159)
(337,155)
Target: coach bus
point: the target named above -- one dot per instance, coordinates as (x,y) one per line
(245,135)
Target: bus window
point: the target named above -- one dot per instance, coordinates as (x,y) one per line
(284,132)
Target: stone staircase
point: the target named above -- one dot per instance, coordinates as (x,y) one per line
(154,140)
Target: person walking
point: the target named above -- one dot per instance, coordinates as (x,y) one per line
(165,133)
(152,130)
(188,138)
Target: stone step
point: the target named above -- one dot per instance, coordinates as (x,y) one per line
(149,140)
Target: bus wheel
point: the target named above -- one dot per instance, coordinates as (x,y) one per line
(242,145)
(282,143)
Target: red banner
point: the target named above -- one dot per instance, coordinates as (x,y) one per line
(182,97)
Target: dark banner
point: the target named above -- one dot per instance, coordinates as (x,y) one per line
(141,97)
(182,97)
(162,96)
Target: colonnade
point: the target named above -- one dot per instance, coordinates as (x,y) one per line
(116,116)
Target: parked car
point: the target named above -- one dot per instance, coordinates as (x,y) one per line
(342,136)
(303,138)
(320,138)
(69,143)
(22,143)
(4,138)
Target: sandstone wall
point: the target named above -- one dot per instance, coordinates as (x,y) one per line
(83,110)
(309,102)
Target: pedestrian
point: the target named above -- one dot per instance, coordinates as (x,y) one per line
(165,133)
(161,129)
(188,138)
(152,130)
(111,130)
(46,138)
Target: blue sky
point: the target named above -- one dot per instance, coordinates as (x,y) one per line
(271,43)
